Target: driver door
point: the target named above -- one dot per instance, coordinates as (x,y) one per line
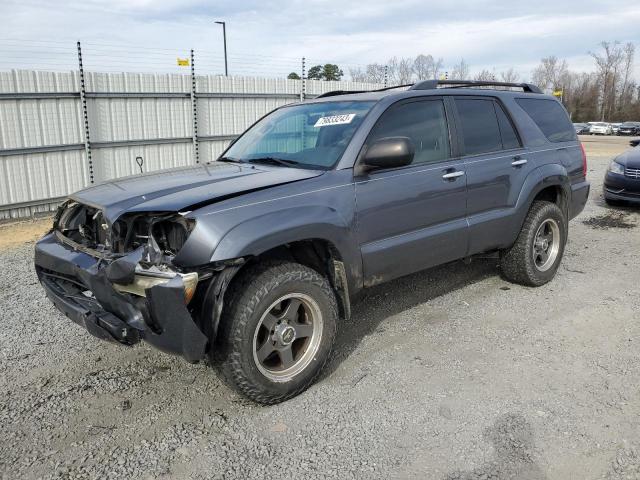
(413,217)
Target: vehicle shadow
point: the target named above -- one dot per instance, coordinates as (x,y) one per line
(513,443)
(379,303)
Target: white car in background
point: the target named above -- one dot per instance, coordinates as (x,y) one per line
(600,128)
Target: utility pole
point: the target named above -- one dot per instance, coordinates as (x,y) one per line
(224,38)
(85,114)
(303,85)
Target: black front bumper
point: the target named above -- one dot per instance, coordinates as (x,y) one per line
(78,286)
(620,187)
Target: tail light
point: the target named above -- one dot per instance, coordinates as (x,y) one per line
(584,161)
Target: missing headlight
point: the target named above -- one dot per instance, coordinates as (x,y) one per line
(171,234)
(163,233)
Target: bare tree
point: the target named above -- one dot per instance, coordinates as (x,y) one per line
(608,64)
(425,67)
(460,71)
(551,73)
(610,93)
(510,76)
(357,74)
(400,70)
(627,71)
(485,76)
(376,72)
(373,73)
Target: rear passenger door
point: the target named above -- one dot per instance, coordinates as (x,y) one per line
(413,217)
(496,167)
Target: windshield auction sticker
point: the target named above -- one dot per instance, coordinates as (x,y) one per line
(335,120)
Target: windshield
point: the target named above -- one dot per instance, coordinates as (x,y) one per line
(312,135)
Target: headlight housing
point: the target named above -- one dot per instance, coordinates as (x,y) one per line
(165,233)
(145,279)
(615,167)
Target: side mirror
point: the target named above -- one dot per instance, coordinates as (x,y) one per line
(390,152)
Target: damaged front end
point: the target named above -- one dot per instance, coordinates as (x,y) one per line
(118,280)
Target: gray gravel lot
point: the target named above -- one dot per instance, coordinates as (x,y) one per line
(448,374)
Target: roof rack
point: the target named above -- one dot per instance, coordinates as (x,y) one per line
(433,84)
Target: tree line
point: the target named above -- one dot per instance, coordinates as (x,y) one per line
(608,93)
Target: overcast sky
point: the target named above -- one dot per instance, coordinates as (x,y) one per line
(269,36)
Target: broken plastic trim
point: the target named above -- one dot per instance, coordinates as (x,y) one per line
(144,280)
(81,248)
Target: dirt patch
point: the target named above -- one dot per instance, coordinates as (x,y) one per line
(610,220)
(15,234)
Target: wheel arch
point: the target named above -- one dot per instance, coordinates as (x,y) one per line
(549,182)
(314,236)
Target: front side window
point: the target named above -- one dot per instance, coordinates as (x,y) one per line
(423,122)
(312,135)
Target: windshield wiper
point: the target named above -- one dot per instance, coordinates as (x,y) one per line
(273,161)
(229,159)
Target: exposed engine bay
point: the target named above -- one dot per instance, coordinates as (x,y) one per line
(162,235)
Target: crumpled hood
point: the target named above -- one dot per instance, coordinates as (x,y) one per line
(630,158)
(186,188)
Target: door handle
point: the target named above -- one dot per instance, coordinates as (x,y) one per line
(453,175)
(519,162)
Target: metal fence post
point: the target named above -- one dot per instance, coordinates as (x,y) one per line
(386,76)
(302,83)
(194,108)
(85,114)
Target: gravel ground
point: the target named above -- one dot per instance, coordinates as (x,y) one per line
(449,374)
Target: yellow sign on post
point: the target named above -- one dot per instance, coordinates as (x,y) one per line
(183,62)
(558,93)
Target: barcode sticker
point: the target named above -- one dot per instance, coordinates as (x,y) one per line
(335,120)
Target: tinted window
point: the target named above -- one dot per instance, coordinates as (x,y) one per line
(550,117)
(480,130)
(507,132)
(424,122)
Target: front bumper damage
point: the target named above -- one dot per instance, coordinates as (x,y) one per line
(81,286)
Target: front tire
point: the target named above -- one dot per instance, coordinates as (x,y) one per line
(276,331)
(536,255)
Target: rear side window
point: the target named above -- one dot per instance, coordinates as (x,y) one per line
(480,130)
(509,136)
(424,122)
(550,117)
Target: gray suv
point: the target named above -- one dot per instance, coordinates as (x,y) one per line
(251,261)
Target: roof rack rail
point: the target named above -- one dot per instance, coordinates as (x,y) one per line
(333,93)
(433,84)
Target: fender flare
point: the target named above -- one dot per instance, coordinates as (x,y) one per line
(545,176)
(257,235)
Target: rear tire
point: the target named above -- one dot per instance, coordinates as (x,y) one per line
(276,332)
(535,256)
